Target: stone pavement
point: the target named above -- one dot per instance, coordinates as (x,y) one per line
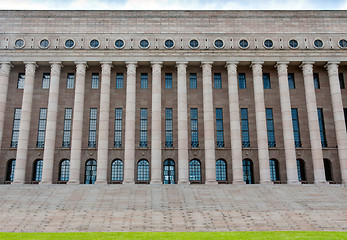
(67,208)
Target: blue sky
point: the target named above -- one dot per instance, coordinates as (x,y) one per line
(174,4)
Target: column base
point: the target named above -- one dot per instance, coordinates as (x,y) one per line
(101,182)
(294,182)
(239,182)
(211,182)
(73,182)
(17,182)
(156,182)
(321,182)
(266,182)
(183,182)
(128,182)
(45,182)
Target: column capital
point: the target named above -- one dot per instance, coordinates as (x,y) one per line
(328,65)
(56,62)
(81,63)
(206,63)
(31,64)
(131,63)
(257,68)
(231,63)
(182,63)
(307,67)
(105,62)
(306,63)
(5,68)
(278,64)
(256,63)
(231,67)
(157,63)
(30,68)
(106,68)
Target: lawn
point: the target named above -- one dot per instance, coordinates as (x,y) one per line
(181,235)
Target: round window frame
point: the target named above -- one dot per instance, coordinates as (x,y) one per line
(193,40)
(296,42)
(149,43)
(214,43)
(243,48)
(273,44)
(314,45)
(114,43)
(74,43)
(45,39)
(338,43)
(90,46)
(21,46)
(172,45)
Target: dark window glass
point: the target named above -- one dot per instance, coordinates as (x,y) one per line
(169,172)
(93,117)
(219,127)
(316,81)
(342,81)
(274,173)
(169,43)
(42,128)
(143,170)
(318,43)
(193,81)
(328,170)
(94,43)
(64,170)
(45,80)
(221,170)
(119,80)
(247,167)
(270,128)
(144,43)
(118,128)
(296,127)
(168,80)
(70,81)
(266,81)
(95,80)
(117,170)
(217,81)
(69,43)
(15,127)
(245,128)
(91,169)
(243,43)
(291,81)
(11,165)
(21,81)
(194,170)
(301,170)
(268,43)
(219,43)
(194,43)
(144,80)
(67,128)
(44,43)
(242,80)
(322,127)
(143,127)
(37,170)
(293,43)
(168,128)
(343,43)
(194,127)
(119,43)
(345,110)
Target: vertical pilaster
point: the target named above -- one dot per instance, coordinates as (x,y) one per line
(313,125)
(260,116)
(209,130)
(182,119)
(129,144)
(339,118)
(77,124)
(102,158)
(156,124)
(235,124)
(287,123)
(4,78)
(51,126)
(24,127)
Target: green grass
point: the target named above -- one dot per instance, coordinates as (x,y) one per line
(181,235)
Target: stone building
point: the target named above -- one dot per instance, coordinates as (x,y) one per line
(173,97)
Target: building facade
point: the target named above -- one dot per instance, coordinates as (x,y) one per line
(173,97)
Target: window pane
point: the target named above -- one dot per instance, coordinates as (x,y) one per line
(45,80)
(291,81)
(70,81)
(144,80)
(119,80)
(270,128)
(95,80)
(21,81)
(242,80)
(266,81)
(217,80)
(193,81)
(316,80)
(342,81)
(168,80)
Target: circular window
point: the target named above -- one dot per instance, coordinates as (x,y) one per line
(119,44)
(194,44)
(343,43)
(218,44)
(169,44)
(144,44)
(268,44)
(243,44)
(94,43)
(293,44)
(69,43)
(44,43)
(318,43)
(19,43)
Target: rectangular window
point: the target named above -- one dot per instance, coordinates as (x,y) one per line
(67,128)
(270,128)
(345,110)
(144,80)
(21,81)
(42,128)
(168,128)
(15,127)
(266,81)
(194,127)
(119,80)
(219,127)
(316,81)
(242,80)
(45,80)
(217,80)
(296,127)
(95,80)
(93,117)
(143,127)
(168,80)
(322,127)
(70,81)
(193,84)
(291,81)
(118,128)
(245,128)
(342,81)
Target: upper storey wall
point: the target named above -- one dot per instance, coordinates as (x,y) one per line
(153,22)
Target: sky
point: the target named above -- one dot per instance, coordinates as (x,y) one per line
(173,5)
